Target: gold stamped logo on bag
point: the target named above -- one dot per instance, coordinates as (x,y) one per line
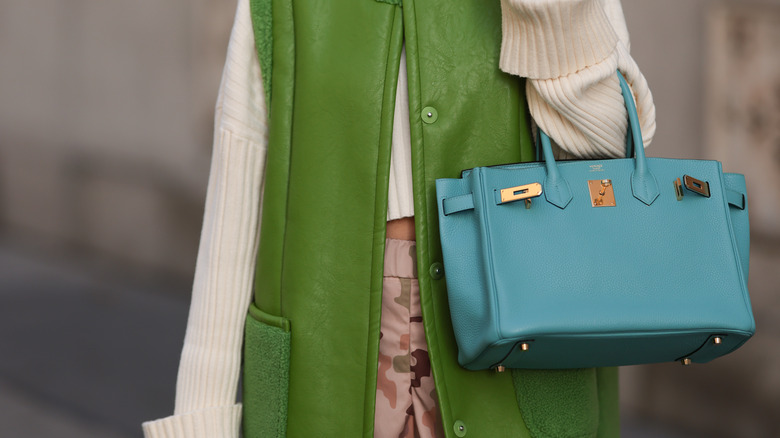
(601,193)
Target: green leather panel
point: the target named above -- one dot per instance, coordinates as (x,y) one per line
(380,218)
(268,276)
(480,113)
(335,155)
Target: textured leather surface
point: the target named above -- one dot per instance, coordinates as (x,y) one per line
(738,207)
(324,206)
(643,183)
(556,188)
(649,280)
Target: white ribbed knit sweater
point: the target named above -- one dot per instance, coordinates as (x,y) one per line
(569,49)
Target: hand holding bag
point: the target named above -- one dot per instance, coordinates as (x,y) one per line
(596,262)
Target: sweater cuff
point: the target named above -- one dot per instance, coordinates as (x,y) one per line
(221,422)
(544,40)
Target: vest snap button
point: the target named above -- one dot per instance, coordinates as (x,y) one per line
(437,271)
(460,428)
(429,114)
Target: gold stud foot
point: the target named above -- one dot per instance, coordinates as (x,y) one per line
(524,346)
(717,340)
(500,369)
(686,361)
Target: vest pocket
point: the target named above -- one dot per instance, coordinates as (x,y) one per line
(266,374)
(558,403)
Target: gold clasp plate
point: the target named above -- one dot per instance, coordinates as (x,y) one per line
(678,191)
(602,194)
(517,193)
(697,186)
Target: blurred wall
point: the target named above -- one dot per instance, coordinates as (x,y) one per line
(682,48)
(106,112)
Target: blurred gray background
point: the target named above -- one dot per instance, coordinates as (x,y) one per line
(106,114)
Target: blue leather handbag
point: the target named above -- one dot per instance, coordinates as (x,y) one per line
(596,262)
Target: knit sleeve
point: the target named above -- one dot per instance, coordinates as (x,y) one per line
(570,50)
(210,361)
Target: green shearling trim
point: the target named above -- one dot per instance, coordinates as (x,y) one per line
(261,23)
(609,402)
(558,403)
(266,378)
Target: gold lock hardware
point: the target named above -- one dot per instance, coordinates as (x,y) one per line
(517,193)
(602,194)
(678,189)
(697,186)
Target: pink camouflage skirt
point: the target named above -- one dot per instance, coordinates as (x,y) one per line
(406,402)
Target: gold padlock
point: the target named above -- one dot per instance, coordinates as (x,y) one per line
(602,194)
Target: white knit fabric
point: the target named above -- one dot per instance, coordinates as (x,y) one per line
(206,423)
(570,49)
(573,92)
(210,361)
(399,193)
(548,39)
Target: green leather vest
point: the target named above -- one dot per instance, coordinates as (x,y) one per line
(313,332)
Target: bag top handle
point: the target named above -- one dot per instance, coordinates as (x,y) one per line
(643,183)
